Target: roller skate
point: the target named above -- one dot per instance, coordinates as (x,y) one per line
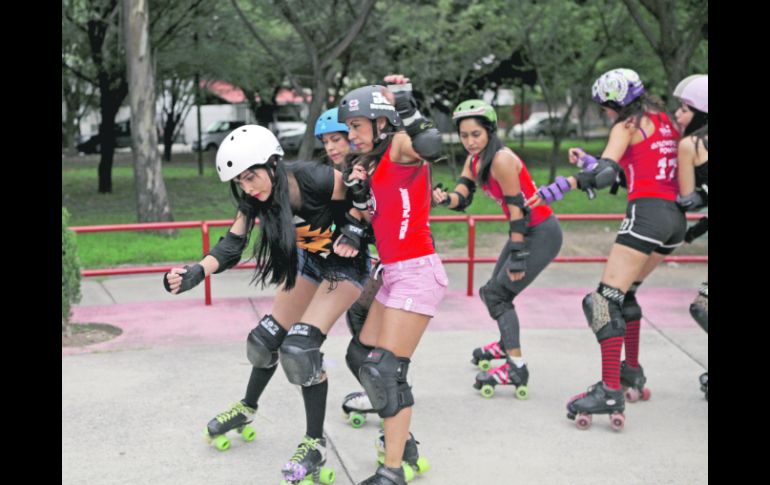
(633,380)
(411,461)
(356,406)
(508,374)
(483,355)
(306,467)
(599,399)
(704,384)
(238,417)
(386,476)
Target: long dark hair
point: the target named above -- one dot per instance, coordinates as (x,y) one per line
(698,127)
(637,108)
(276,251)
(488,153)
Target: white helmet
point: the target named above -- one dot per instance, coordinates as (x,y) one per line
(245,146)
(694,91)
(617,88)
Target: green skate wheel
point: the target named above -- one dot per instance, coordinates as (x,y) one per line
(306,481)
(248,433)
(380,459)
(357,420)
(522,392)
(408,472)
(487,390)
(222,443)
(422,465)
(326,476)
(485,365)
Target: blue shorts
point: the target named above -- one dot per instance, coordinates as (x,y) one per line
(311,267)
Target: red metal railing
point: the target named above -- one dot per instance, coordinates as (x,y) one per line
(471,260)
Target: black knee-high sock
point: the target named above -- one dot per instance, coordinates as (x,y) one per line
(315,408)
(257,383)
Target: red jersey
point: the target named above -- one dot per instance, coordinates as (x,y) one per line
(399,203)
(650,165)
(528,188)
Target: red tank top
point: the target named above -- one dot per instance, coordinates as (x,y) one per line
(400,206)
(650,165)
(528,188)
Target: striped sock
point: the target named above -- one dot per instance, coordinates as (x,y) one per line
(611,361)
(632,343)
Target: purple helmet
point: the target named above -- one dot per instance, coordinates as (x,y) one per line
(617,88)
(694,91)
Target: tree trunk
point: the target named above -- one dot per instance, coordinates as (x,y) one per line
(320,93)
(169,128)
(109,103)
(151,198)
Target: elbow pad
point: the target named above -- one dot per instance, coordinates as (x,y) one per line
(228,251)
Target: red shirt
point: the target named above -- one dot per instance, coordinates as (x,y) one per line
(528,188)
(650,165)
(400,206)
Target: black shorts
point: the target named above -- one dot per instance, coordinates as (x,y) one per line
(652,225)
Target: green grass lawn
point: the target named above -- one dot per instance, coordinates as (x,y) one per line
(195,197)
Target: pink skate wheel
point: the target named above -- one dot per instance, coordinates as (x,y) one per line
(617,421)
(646,394)
(632,395)
(583,421)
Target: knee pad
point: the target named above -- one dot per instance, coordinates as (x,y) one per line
(632,312)
(356,355)
(355,317)
(383,376)
(263,342)
(301,356)
(604,312)
(699,309)
(497,299)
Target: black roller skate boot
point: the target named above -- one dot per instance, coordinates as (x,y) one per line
(238,417)
(599,399)
(482,356)
(633,380)
(386,476)
(306,467)
(506,374)
(412,461)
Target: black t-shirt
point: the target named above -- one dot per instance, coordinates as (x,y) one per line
(316,216)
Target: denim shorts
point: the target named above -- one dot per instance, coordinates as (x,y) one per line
(310,267)
(415,285)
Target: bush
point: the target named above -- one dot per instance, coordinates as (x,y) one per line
(70,269)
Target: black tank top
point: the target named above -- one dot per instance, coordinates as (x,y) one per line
(702,181)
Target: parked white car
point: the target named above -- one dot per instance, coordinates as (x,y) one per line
(215,133)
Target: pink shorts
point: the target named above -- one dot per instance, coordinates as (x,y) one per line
(415,285)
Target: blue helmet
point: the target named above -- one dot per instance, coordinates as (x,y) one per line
(327,123)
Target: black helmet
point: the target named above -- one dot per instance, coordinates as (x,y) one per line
(369,102)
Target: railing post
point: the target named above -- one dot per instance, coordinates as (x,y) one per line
(206,242)
(471,252)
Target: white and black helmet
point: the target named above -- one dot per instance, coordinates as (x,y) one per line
(245,146)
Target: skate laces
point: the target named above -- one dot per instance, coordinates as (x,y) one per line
(308,444)
(502,373)
(235,410)
(494,349)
